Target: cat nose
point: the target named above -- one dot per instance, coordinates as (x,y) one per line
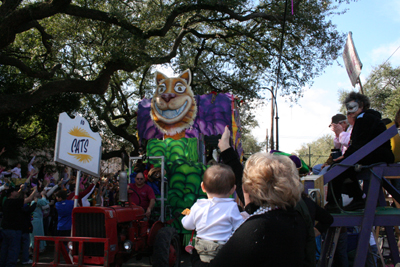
(167,97)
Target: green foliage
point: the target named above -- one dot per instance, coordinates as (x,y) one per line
(318,151)
(35,127)
(251,146)
(383,89)
(247,119)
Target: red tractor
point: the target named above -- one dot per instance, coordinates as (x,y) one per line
(110,236)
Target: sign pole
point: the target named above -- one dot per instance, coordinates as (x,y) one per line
(76,197)
(361,88)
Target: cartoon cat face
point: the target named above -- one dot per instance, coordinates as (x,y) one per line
(173,107)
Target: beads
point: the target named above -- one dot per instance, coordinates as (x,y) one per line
(260,210)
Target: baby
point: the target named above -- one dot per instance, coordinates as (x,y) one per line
(218,216)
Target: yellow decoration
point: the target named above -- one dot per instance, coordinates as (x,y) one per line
(79,132)
(84,158)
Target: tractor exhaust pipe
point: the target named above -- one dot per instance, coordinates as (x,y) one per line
(123,187)
(123,183)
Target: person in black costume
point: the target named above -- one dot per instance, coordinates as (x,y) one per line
(367,126)
(275,234)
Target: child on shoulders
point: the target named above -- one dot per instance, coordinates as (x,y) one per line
(217,217)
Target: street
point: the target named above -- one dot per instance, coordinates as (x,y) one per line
(47,256)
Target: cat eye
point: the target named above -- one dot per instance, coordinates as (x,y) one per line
(180,88)
(162,88)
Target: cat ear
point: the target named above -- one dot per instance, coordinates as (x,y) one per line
(187,76)
(159,77)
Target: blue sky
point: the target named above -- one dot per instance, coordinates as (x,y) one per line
(375,25)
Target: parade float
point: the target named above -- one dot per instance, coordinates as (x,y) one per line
(184,128)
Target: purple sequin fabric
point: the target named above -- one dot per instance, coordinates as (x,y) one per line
(213,114)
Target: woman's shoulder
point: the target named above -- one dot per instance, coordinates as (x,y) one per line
(371,115)
(273,218)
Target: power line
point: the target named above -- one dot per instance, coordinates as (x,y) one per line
(384,63)
(392,54)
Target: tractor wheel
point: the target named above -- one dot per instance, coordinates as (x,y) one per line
(167,248)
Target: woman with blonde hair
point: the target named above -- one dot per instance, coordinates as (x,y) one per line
(274,233)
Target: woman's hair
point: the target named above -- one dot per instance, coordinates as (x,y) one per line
(218,179)
(272,180)
(361,99)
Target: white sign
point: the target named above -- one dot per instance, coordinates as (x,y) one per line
(351,60)
(77,145)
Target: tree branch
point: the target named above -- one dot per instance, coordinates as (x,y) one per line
(223,9)
(5,60)
(19,18)
(8,6)
(87,13)
(18,103)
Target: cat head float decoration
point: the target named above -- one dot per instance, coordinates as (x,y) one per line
(173,107)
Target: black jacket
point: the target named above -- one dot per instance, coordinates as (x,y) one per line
(274,239)
(367,126)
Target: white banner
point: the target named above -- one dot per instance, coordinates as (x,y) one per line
(351,60)
(77,145)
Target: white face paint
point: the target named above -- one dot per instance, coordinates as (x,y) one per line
(352,107)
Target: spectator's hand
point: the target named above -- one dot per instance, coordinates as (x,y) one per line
(3,150)
(148,213)
(95,180)
(223,143)
(59,183)
(337,129)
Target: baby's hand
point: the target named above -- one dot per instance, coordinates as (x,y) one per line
(186,211)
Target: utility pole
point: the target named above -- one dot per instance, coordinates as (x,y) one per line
(276,121)
(272,121)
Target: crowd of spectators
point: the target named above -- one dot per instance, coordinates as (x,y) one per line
(40,204)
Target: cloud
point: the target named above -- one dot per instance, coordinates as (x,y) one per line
(382,53)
